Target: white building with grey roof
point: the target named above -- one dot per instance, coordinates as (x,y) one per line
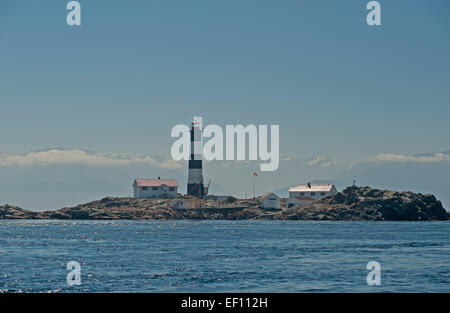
(270,201)
(305,194)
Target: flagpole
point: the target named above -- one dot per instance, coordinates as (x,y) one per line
(254,186)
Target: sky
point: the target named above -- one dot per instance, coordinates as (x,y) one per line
(117,84)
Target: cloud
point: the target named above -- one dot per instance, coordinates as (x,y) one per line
(316,160)
(77,156)
(387,157)
(321,161)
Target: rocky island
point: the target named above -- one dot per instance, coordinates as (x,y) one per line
(352,204)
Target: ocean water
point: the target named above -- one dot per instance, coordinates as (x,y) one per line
(224,256)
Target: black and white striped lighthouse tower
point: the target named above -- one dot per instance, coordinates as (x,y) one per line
(195,176)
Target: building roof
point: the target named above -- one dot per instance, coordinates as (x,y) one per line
(269,194)
(155,182)
(312,188)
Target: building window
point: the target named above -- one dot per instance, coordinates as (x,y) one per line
(171,188)
(154,188)
(313,193)
(322,193)
(144,188)
(272,199)
(302,193)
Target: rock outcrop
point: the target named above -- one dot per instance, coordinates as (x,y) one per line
(112,208)
(352,204)
(13,212)
(365,203)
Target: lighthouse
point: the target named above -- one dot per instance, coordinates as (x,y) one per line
(195,176)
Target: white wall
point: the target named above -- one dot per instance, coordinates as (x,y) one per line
(161,192)
(271,202)
(315,197)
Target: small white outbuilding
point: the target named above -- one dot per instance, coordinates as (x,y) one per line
(270,201)
(155,188)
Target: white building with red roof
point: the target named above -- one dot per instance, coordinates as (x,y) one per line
(155,188)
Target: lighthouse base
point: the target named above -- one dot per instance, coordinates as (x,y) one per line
(196,190)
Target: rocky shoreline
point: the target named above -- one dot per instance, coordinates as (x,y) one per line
(352,204)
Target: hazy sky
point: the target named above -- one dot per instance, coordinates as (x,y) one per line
(336,86)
